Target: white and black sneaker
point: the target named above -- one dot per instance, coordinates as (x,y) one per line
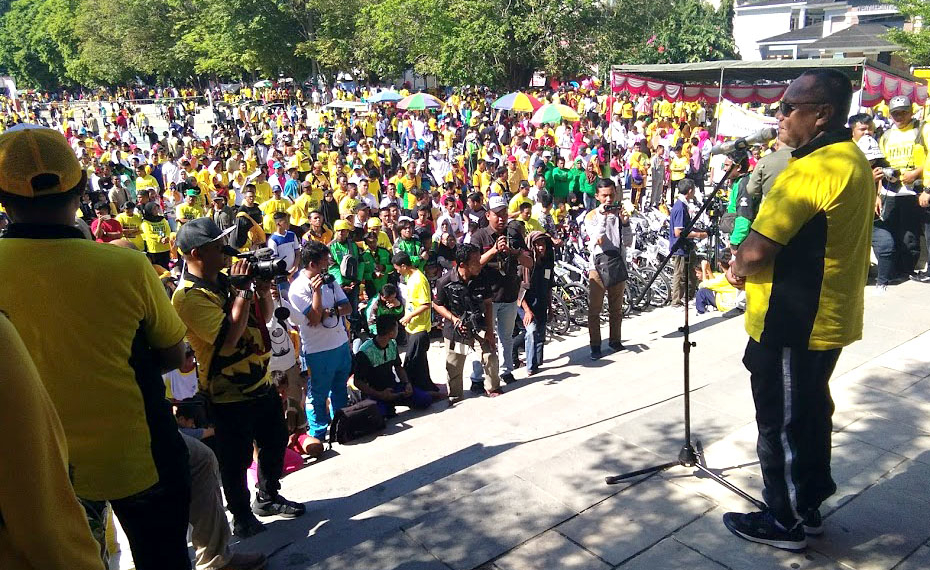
(762,527)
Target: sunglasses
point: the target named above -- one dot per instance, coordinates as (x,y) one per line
(786,108)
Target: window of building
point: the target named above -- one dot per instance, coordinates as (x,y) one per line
(812,17)
(795,20)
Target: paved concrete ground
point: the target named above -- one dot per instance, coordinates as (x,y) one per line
(517,482)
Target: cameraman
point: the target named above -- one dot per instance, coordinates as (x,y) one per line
(225,319)
(462,300)
(499,259)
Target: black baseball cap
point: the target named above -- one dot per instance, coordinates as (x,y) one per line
(199,232)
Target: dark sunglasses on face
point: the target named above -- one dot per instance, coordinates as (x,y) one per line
(786,108)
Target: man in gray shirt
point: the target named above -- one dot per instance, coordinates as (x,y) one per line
(767,170)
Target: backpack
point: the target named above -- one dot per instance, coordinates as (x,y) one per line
(355,421)
(348,267)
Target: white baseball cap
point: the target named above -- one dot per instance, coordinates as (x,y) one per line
(496,202)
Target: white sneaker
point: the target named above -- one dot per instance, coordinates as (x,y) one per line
(880,290)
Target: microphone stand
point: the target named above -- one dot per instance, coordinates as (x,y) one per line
(692,452)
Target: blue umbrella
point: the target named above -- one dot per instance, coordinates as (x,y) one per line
(385,97)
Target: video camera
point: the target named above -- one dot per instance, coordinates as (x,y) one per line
(263,264)
(464,305)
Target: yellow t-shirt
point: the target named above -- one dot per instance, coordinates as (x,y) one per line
(900,148)
(237,374)
(820,210)
(152,234)
(515,202)
(185,212)
(146,182)
(677,167)
(262,191)
(269,208)
(133,222)
(40,507)
(93,367)
(419,294)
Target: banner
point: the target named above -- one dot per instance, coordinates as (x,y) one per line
(734,121)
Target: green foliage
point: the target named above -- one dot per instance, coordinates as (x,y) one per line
(38,41)
(692,31)
(916,44)
(499,43)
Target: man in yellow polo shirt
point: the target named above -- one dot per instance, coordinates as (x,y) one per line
(233,351)
(102,370)
(804,267)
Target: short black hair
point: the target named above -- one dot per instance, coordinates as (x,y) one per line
(605,183)
(101,206)
(312,252)
(385,323)
(860,119)
(834,88)
(685,185)
(465,250)
(526,206)
(476,197)
(280,216)
(389,290)
(401,258)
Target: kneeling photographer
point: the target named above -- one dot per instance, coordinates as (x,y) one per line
(465,304)
(225,318)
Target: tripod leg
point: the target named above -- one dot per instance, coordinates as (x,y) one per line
(613,480)
(759,504)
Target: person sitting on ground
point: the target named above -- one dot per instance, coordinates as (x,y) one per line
(379,374)
(714,291)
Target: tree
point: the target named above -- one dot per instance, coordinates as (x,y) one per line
(38,42)
(692,31)
(916,44)
(139,39)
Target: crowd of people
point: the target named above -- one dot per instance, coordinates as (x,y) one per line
(300,257)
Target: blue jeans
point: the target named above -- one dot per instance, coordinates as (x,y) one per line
(329,373)
(703,299)
(589,202)
(535,338)
(505,315)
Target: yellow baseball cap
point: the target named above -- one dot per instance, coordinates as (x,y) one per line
(29,151)
(374,223)
(342,225)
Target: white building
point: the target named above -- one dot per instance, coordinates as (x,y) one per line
(786,29)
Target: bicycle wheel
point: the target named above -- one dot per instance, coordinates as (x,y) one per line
(661,290)
(558,319)
(576,298)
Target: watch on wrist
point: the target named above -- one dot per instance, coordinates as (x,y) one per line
(246,294)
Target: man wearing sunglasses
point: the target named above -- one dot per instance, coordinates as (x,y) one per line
(905,149)
(804,266)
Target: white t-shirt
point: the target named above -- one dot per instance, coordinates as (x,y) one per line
(183,384)
(285,247)
(331,332)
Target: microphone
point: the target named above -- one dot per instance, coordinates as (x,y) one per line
(762,136)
